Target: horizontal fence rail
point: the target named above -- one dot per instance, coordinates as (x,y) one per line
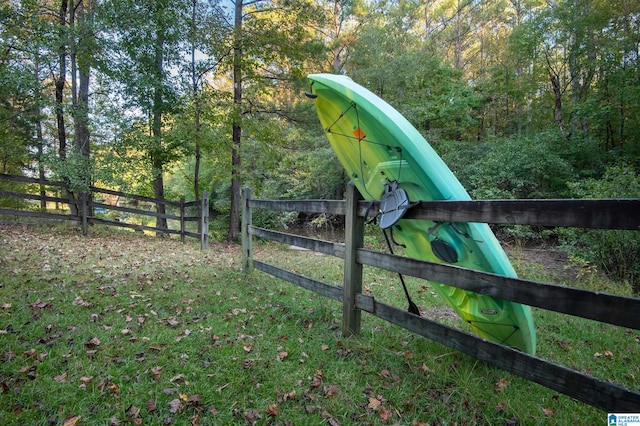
(590,213)
(85,206)
(606,308)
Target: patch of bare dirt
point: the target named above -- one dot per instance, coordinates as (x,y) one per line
(439,313)
(554,262)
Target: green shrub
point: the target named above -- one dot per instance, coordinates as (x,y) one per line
(511,168)
(615,252)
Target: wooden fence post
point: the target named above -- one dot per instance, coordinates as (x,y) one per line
(84,200)
(354,239)
(204,221)
(182,225)
(247,249)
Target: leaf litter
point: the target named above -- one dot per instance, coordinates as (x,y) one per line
(152,331)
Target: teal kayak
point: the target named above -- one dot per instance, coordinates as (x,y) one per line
(390,161)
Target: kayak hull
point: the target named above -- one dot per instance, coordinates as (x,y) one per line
(377,146)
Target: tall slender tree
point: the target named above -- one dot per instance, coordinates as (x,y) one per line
(236,126)
(62,78)
(146,40)
(270,39)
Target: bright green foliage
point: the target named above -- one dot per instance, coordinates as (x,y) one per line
(511,168)
(16,121)
(477,78)
(615,252)
(429,93)
(75,171)
(21,33)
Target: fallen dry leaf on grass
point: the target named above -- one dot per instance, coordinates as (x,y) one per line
(31,353)
(374,403)
(155,373)
(281,397)
(251,417)
(316,382)
(175,406)
(333,389)
(133,412)
(94,342)
(194,400)
(60,378)
(384,415)
(180,379)
(71,421)
(501,385)
(330,419)
(273,410)
(282,355)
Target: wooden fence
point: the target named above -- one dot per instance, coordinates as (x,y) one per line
(617,310)
(83,207)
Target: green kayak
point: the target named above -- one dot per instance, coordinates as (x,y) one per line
(390,161)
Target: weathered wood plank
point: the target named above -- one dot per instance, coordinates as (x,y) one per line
(81,206)
(37,197)
(43,215)
(584,213)
(204,223)
(134,196)
(310,206)
(326,247)
(354,239)
(84,213)
(194,203)
(192,234)
(182,221)
(132,226)
(593,391)
(24,179)
(324,289)
(247,240)
(617,310)
(134,211)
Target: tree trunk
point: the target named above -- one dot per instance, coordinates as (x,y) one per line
(61,80)
(81,70)
(158,192)
(157,156)
(558,91)
(236,161)
(84,71)
(558,115)
(458,41)
(79,55)
(196,102)
(39,135)
(60,85)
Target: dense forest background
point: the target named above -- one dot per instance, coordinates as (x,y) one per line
(522,98)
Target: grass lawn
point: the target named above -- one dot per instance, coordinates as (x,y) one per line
(118,328)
